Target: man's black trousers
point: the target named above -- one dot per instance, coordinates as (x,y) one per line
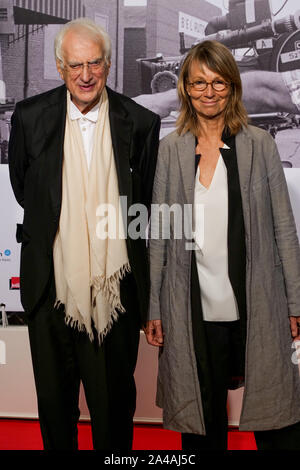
(62,357)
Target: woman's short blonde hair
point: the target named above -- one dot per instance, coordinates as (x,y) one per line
(219,59)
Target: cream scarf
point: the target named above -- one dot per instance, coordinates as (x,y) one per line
(88,269)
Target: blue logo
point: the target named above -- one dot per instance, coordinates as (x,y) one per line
(7,252)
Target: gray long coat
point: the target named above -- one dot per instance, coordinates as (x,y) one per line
(272,384)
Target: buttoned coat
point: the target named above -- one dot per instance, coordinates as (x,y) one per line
(272,387)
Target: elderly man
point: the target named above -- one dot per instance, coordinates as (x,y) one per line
(74,150)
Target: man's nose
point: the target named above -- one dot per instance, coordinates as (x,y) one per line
(85,73)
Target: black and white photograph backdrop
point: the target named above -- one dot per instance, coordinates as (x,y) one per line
(149,41)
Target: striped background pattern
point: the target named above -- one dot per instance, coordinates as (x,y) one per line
(69,9)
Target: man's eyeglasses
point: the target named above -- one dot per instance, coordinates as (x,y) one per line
(201,85)
(94,66)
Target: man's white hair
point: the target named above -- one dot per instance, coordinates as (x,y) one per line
(85,26)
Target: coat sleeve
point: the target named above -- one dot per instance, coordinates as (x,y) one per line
(157,241)
(148,160)
(284,229)
(17,158)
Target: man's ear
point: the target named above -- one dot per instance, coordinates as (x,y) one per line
(108,64)
(59,68)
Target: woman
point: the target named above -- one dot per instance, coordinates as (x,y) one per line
(227,311)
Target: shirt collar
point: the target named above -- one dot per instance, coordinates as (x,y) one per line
(92,115)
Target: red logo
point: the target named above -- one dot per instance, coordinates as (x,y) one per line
(14,283)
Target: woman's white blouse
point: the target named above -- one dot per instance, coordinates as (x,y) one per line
(210,235)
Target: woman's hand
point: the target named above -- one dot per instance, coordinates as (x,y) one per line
(154,333)
(295,328)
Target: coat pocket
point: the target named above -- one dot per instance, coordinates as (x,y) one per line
(21,235)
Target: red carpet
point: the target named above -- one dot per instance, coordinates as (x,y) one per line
(25,435)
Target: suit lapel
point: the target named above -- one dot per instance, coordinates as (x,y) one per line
(121,133)
(54,117)
(186,156)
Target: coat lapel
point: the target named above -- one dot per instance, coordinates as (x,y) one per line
(54,117)
(244,152)
(186,156)
(121,128)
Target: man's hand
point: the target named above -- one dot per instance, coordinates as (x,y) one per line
(154,333)
(295,328)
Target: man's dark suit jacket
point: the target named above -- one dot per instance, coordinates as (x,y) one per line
(35,163)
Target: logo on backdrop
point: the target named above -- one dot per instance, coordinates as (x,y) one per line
(14,283)
(5,255)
